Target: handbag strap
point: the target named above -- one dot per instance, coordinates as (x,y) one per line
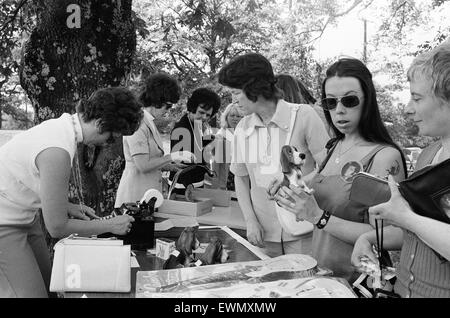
(294,110)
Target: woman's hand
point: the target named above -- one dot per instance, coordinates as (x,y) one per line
(298,202)
(255,233)
(121,225)
(273,187)
(81,212)
(362,248)
(183,156)
(396,210)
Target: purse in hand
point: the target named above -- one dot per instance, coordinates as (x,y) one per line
(427,191)
(83,264)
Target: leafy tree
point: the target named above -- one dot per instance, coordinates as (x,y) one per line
(62,64)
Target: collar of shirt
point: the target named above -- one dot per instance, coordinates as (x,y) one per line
(280,119)
(77,126)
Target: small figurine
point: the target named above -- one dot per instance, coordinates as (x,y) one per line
(214,253)
(291,163)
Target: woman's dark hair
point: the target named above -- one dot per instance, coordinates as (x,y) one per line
(371,126)
(205,97)
(116,107)
(293,90)
(158,89)
(305,93)
(252,73)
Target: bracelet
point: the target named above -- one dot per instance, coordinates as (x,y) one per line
(323,220)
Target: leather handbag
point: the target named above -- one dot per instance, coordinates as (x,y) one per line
(91,265)
(426,190)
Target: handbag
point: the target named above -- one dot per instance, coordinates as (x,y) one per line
(288,220)
(83,264)
(427,191)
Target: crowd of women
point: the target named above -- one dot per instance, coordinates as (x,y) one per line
(339,136)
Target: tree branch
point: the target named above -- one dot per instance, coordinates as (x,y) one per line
(189,60)
(14,15)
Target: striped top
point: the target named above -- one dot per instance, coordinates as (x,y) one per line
(422,272)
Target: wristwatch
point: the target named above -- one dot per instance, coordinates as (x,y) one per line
(323,221)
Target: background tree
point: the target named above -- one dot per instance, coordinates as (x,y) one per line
(61,64)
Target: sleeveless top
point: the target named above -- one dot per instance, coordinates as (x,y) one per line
(422,272)
(332,194)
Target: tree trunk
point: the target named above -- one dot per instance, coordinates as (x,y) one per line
(60,65)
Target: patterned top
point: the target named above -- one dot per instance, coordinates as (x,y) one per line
(422,272)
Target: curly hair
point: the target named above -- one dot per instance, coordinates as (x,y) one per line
(116,107)
(158,89)
(205,97)
(252,73)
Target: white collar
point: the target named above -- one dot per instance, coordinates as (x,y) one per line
(77,128)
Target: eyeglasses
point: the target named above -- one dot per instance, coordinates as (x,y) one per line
(348,101)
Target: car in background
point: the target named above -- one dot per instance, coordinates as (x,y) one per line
(411,154)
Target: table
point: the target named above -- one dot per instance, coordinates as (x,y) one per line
(231,216)
(241,251)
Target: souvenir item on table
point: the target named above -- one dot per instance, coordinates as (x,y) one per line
(83,264)
(141,235)
(185,245)
(188,251)
(284,276)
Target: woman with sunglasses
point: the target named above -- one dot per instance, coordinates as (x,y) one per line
(351,109)
(143,151)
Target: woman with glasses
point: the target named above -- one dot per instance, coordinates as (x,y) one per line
(143,151)
(35,168)
(362,142)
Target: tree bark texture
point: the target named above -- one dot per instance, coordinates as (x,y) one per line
(60,65)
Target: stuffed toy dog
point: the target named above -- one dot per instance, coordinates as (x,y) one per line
(291,163)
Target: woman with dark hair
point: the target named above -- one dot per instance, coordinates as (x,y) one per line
(269,124)
(143,151)
(295,92)
(362,141)
(192,133)
(35,168)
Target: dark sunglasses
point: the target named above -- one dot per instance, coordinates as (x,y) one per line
(348,101)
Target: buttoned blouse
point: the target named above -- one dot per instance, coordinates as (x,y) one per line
(255,146)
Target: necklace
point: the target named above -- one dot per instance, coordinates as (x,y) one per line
(338,158)
(77,173)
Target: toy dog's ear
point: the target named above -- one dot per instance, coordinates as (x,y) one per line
(285,160)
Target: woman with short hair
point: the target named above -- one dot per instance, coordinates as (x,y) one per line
(35,168)
(424,267)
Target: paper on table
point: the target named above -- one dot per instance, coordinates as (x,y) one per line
(175,222)
(134,263)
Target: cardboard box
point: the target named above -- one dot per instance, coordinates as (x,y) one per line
(218,196)
(182,207)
